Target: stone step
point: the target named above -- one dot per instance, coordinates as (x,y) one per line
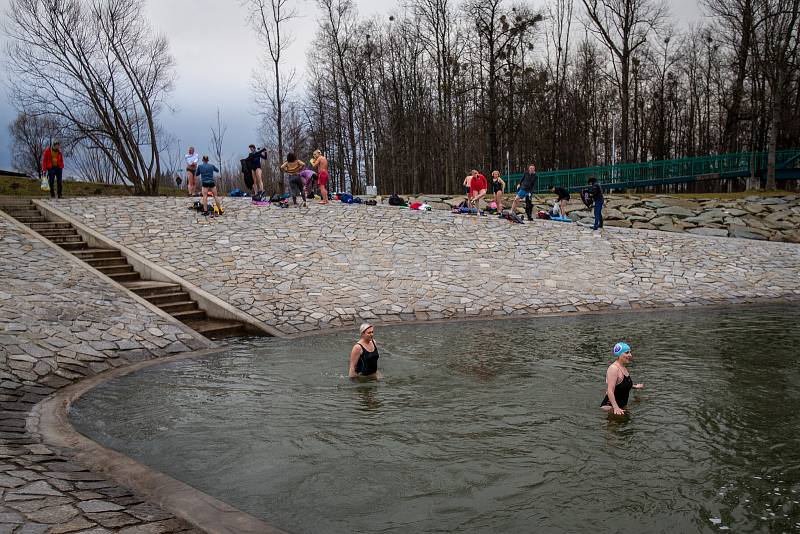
(66,232)
(191,315)
(124,277)
(73,245)
(68,238)
(106,262)
(97,253)
(115,269)
(166,298)
(31,211)
(149,288)
(32,219)
(217,328)
(49,226)
(175,307)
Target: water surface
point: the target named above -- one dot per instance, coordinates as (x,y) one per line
(485,426)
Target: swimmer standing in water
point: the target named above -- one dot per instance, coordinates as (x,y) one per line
(364,356)
(618,381)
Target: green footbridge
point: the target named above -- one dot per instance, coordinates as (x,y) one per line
(673,171)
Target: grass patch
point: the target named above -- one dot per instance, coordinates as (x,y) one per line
(14,186)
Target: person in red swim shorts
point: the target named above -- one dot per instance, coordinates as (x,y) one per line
(320,164)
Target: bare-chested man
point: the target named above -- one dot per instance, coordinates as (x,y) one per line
(320,164)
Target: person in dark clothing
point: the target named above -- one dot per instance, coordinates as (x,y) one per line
(596,192)
(563,198)
(254,162)
(618,381)
(364,356)
(525,190)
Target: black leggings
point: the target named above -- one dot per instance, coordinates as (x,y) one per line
(296,185)
(54,174)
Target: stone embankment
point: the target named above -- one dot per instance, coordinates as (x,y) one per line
(322,267)
(58,324)
(753,217)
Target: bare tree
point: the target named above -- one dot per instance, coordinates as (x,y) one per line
(218,140)
(30,134)
(98,68)
(623,26)
(92,165)
(776,45)
(271,17)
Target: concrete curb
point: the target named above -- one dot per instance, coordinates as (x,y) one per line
(74,260)
(50,420)
(214,306)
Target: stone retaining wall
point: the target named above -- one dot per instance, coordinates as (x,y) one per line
(58,324)
(331,266)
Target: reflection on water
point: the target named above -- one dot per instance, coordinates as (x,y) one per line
(485,427)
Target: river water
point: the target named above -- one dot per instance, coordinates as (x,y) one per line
(487,426)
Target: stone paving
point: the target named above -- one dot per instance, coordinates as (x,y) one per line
(322,267)
(58,324)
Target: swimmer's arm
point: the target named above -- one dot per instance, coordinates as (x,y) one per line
(351,372)
(611,381)
(502,185)
(283,165)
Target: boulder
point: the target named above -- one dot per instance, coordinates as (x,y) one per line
(735,212)
(705,218)
(581,215)
(586,221)
(613,214)
(635,218)
(655,204)
(639,212)
(676,211)
(734,221)
(772,201)
(754,222)
(660,221)
(618,223)
(793,236)
(743,232)
(753,207)
(779,225)
(644,226)
(718,232)
(680,202)
(778,216)
(455,201)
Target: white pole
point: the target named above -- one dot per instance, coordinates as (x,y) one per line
(374,175)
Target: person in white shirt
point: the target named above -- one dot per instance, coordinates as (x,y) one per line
(191,169)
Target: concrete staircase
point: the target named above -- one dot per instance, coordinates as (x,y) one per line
(168,296)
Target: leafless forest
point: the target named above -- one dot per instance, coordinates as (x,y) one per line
(435,89)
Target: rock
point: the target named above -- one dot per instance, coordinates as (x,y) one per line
(718,232)
(640,212)
(743,232)
(681,202)
(612,214)
(661,221)
(96,505)
(676,211)
(792,236)
(644,226)
(618,223)
(734,212)
(655,204)
(671,228)
(772,201)
(754,208)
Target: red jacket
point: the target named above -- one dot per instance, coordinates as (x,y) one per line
(478,184)
(47,160)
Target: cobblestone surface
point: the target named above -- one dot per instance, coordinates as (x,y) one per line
(329,266)
(58,324)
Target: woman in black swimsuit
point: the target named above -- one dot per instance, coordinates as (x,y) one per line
(498,186)
(618,381)
(364,356)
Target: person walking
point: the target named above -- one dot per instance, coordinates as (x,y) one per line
(320,164)
(498,187)
(618,381)
(563,198)
(191,171)
(254,164)
(53,165)
(596,193)
(293,167)
(525,191)
(206,173)
(364,355)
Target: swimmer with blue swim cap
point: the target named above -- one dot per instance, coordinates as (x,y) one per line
(618,380)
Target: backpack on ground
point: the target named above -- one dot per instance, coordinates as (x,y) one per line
(346,198)
(395,200)
(543,215)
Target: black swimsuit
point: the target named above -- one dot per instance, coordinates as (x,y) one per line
(621,393)
(367,363)
(496,186)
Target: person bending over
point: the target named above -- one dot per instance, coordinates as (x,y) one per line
(563,198)
(477,188)
(293,167)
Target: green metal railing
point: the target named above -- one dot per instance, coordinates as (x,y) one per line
(630,175)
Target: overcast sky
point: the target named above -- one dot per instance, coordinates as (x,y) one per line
(215,54)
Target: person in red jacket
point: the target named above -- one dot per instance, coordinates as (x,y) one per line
(53,164)
(477,188)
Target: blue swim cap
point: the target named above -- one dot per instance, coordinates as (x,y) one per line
(621,348)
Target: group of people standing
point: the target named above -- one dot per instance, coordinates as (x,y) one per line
(476,188)
(300,177)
